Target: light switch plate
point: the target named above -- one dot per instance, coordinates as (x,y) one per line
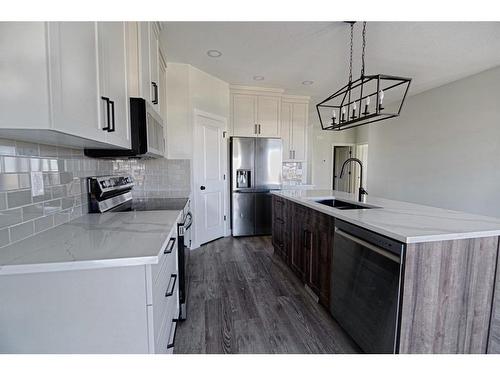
(37,184)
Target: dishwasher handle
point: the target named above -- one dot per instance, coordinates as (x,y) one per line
(378,250)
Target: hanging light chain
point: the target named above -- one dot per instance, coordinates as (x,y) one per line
(350,57)
(363,51)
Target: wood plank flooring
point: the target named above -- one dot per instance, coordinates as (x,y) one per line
(243,299)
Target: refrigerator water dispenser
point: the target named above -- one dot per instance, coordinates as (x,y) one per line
(243,178)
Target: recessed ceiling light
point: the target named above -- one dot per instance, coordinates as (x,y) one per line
(258,78)
(214,53)
(307,83)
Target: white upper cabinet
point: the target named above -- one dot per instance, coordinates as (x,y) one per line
(286,129)
(294,112)
(244,115)
(53,76)
(74,78)
(268,116)
(162,88)
(24,100)
(255,112)
(154,63)
(151,83)
(113,83)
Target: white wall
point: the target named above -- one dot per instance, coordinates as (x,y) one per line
(444,150)
(189,88)
(321,150)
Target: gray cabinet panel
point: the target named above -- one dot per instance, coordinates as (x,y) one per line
(448,289)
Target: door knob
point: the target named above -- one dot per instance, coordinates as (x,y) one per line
(202,187)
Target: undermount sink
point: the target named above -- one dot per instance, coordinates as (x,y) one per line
(342,205)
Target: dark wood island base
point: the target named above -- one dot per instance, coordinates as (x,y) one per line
(448,299)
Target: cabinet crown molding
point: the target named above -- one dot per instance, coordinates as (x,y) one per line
(296,98)
(255,90)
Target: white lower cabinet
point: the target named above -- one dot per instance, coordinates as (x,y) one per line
(131,309)
(54,75)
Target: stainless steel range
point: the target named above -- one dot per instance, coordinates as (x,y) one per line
(114,194)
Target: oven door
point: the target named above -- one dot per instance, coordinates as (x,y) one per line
(365,287)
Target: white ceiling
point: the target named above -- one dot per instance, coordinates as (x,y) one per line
(287,53)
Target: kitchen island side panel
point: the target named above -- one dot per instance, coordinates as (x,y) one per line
(447,296)
(494,336)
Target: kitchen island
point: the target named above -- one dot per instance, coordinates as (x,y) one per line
(444,300)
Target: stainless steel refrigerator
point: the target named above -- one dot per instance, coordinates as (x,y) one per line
(256,165)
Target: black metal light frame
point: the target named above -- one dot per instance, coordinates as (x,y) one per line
(361,118)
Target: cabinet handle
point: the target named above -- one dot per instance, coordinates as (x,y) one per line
(259,128)
(155,92)
(293,154)
(170,245)
(255,129)
(106,128)
(290,154)
(171,285)
(171,343)
(112,103)
(281,221)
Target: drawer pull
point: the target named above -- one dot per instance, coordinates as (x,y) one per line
(170,245)
(171,341)
(281,221)
(171,285)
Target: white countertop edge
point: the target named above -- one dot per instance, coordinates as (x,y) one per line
(16,269)
(408,240)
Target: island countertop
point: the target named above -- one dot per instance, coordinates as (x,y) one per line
(111,239)
(402,221)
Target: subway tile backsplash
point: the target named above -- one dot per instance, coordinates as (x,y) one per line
(64,173)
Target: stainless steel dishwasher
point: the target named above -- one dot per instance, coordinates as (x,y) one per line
(365,286)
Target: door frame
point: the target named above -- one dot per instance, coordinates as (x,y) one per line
(339,144)
(197,113)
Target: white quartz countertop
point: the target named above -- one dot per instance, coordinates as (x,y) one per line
(112,239)
(402,221)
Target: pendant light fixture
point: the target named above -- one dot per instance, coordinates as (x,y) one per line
(362,101)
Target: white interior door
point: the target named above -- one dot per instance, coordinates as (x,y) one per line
(208,171)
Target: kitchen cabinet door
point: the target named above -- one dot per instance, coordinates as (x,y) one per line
(162,88)
(286,129)
(113,83)
(298,131)
(24,100)
(302,238)
(146,88)
(321,257)
(279,227)
(74,78)
(244,115)
(154,62)
(268,115)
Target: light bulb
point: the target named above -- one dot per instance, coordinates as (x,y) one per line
(381,96)
(354,106)
(343,110)
(334,115)
(368,100)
